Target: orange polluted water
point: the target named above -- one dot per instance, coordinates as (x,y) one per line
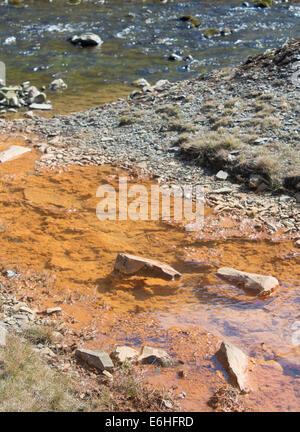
(48,224)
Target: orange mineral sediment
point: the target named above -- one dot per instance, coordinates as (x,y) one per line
(49,227)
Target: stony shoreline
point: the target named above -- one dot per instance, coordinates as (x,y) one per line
(241,121)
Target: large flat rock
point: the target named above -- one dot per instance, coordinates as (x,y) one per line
(254,283)
(130,265)
(13,152)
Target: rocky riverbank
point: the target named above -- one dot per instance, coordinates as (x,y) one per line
(242,122)
(42,367)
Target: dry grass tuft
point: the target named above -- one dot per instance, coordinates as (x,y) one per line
(30,385)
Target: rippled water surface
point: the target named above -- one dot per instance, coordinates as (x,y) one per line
(138,38)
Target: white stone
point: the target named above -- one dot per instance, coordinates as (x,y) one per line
(13,152)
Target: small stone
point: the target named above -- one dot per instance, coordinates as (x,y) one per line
(58,84)
(175,57)
(32,92)
(155,356)
(86,40)
(167,404)
(53,310)
(25,85)
(141,83)
(108,374)
(222,175)
(41,106)
(9,273)
(97,359)
(26,310)
(123,354)
(181,373)
(13,101)
(41,98)
(297,243)
(29,114)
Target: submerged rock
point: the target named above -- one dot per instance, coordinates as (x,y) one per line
(58,84)
(131,264)
(212,32)
(86,40)
(191,20)
(235,363)
(155,356)
(97,359)
(175,57)
(263,3)
(255,283)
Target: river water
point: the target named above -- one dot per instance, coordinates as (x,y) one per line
(138,38)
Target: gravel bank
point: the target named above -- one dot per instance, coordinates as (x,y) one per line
(244,121)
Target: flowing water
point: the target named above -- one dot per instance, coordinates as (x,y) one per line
(138,38)
(49,226)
